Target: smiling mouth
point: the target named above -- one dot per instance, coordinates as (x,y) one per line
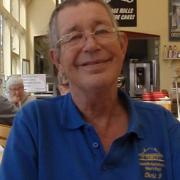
(95,62)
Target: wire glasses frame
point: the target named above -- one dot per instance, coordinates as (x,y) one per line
(76,38)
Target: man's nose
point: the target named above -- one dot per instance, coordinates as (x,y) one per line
(90,43)
(17,91)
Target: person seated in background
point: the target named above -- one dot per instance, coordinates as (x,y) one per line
(63,84)
(95,132)
(7,111)
(6,107)
(16,93)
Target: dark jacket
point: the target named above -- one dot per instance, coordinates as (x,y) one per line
(7,110)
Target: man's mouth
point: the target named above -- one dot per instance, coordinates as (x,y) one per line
(95,62)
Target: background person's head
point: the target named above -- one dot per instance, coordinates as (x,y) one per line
(15,88)
(87,46)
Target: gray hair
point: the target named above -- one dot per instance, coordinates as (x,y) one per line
(53,29)
(14,80)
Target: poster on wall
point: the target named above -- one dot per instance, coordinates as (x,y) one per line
(125,12)
(34,82)
(174,20)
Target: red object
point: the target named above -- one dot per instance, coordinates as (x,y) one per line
(147,96)
(154,96)
(157,95)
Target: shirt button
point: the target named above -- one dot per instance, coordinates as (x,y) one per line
(95,145)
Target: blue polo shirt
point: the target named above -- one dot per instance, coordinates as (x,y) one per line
(50,140)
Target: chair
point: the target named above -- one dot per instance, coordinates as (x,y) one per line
(4,132)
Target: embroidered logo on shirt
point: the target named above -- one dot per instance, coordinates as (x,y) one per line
(152,162)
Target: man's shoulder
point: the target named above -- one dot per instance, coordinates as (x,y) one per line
(155,113)
(51,102)
(6,106)
(40,110)
(150,106)
(2,98)
(151,109)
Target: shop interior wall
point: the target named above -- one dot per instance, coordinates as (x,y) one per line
(38,14)
(152,18)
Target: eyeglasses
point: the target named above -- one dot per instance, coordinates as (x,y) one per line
(14,89)
(75,38)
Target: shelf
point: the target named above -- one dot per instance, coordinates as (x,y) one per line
(171,59)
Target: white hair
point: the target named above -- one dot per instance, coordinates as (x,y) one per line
(14,80)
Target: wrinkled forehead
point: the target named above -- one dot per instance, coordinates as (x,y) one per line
(83,14)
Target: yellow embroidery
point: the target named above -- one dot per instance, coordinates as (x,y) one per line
(152,162)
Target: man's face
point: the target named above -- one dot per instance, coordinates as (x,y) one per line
(16,91)
(91,63)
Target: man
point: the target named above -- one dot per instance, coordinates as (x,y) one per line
(17,95)
(94,132)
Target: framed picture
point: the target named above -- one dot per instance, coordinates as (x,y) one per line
(25,66)
(174,20)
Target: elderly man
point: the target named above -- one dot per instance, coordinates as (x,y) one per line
(94,132)
(16,93)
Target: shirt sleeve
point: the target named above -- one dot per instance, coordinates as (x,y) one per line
(20,156)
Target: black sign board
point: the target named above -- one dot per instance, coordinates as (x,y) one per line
(174,20)
(125,12)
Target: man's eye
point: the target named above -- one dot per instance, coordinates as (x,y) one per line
(101,32)
(75,37)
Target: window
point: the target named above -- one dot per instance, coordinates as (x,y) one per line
(6,4)
(1,46)
(15,9)
(12,36)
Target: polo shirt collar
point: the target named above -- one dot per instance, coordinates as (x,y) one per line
(70,115)
(135,121)
(71,118)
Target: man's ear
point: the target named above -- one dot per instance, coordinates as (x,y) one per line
(123,42)
(54,56)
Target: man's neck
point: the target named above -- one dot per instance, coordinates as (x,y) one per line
(98,105)
(105,112)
